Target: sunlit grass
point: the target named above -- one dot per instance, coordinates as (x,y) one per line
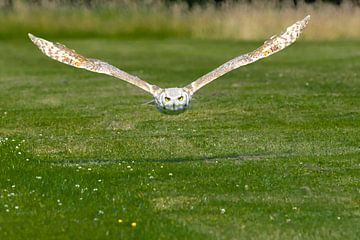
(269,151)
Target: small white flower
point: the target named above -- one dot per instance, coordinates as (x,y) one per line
(38,177)
(95,189)
(89,169)
(222,210)
(170,174)
(101,212)
(16,207)
(77,185)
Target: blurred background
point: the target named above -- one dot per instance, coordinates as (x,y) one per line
(202,19)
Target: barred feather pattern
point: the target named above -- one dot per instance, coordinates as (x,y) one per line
(68,56)
(271,46)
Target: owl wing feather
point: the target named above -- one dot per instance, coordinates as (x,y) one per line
(271,46)
(68,56)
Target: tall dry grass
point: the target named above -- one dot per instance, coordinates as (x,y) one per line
(240,20)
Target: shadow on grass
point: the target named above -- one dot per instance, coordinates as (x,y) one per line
(240,157)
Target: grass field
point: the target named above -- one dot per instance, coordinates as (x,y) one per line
(270,151)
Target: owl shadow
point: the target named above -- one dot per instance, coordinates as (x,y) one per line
(233,157)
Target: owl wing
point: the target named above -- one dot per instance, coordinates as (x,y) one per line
(68,56)
(271,46)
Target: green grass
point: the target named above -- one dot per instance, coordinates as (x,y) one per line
(275,144)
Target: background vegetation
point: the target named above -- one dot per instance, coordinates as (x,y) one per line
(242,20)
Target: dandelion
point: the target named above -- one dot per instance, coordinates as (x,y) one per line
(120,221)
(133,224)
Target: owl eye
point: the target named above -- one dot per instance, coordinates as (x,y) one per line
(167,99)
(181,98)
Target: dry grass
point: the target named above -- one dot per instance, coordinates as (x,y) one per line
(240,21)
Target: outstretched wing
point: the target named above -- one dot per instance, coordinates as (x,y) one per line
(65,55)
(271,46)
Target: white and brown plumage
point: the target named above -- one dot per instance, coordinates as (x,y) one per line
(171,100)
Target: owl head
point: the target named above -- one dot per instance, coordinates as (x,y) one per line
(172,100)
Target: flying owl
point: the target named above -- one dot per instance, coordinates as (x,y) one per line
(171,100)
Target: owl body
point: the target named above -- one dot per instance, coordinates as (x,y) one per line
(172,101)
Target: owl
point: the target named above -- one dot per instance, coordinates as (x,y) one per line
(172,100)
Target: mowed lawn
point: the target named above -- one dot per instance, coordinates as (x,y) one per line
(268,151)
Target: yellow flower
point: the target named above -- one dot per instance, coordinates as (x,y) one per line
(133,224)
(120,221)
